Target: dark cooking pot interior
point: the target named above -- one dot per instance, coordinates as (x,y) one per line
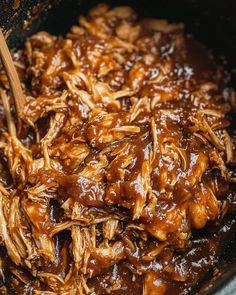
(211,21)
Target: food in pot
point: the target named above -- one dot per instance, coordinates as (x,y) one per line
(121,176)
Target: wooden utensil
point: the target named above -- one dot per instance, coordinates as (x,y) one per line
(18,95)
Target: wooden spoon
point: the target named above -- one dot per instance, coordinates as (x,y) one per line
(14,81)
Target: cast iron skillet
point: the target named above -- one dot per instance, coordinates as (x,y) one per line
(211,21)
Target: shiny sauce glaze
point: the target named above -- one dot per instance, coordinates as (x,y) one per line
(121,178)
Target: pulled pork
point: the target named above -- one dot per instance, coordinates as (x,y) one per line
(124,155)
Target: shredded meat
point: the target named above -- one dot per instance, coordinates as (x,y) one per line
(122,159)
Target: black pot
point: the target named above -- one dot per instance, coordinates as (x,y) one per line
(213,22)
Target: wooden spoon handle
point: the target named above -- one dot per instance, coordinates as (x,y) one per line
(17,92)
